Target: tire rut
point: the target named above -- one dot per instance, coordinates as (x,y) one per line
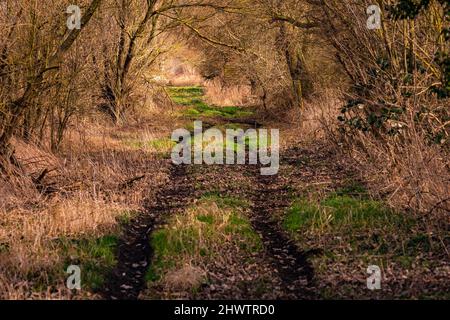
(134,253)
(291,263)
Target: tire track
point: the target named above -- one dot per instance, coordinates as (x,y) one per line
(290,263)
(134,253)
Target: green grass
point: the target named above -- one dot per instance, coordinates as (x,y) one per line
(163,145)
(250,241)
(367,226)
(354,230)
(353,189)
(185,95)
(197,109)
(229,143)
(206,218)
(192,97)
(225,202)
(340,212)
(201,109)
(301,214)
(197,235)
(95,256)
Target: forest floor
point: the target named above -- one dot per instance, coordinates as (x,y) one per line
(309,232)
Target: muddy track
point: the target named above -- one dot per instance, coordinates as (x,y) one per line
(134,253)
(269,195)
(291,264)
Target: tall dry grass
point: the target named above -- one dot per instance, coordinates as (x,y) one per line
(232,95)
(84,195)
(408,170)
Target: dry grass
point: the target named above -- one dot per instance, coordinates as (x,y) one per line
(32,257)
(83,196)
(185,278)
(219,95)
(409,171)
(412,173)
(317,122)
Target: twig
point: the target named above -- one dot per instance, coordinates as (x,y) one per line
(130,182)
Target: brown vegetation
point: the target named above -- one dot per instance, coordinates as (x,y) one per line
(85,114)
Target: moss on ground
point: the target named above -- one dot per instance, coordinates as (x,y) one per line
(193,97)
(94,256)
(353,231)
(201,233)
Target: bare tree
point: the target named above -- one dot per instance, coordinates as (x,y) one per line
(43,60)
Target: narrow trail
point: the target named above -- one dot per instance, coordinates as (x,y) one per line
(135,254)
(279,268)
(286,263)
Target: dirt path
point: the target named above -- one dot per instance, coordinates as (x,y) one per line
(268,195)
(279,268)
(290,272)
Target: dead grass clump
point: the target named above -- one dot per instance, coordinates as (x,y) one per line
(184,279)
(411,173)
(236,95)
